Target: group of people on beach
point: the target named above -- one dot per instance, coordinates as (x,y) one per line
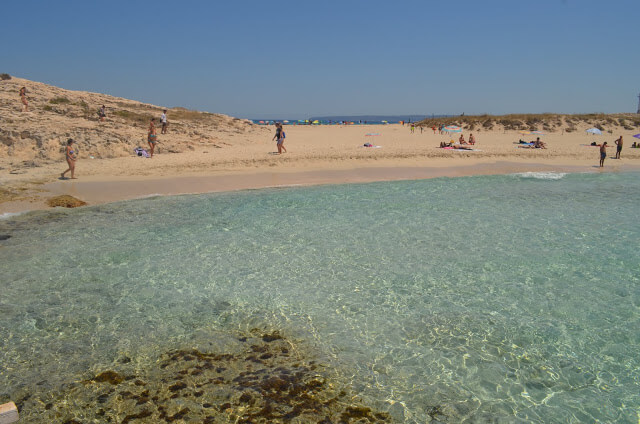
(461,142)
(603,150)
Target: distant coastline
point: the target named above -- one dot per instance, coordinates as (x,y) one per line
(369,119)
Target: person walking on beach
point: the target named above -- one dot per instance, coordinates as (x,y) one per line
(102,113)
(152,137)
(23,97)
(163,120)
(618,147)
(603,153)
(279,137)
(71,157)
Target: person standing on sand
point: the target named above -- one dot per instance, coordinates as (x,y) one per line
(603,153)
(71,156)
(279,137)
(152,137)
(23,97)
(618,147)
(163,120)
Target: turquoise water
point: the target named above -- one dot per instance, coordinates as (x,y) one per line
(509,298)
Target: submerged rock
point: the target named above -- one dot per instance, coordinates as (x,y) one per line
(261,379)
(65,201)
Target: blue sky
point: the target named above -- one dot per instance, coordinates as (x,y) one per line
(296,59)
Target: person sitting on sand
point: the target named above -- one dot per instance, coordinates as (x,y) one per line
(472,139)
(603,153)
(152,137)
(461,139)
(539,144)
(449,144)
(71,157)
(23,97)
(634,145)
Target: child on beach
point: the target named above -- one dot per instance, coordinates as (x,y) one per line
(71,157)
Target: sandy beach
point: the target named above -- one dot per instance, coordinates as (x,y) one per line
(205,152)
(316,155)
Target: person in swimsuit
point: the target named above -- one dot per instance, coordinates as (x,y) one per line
(472,139)
(279,137)
(23,97)
(151,137)
(461,139)
(618,147)
(603,153)
(71,156)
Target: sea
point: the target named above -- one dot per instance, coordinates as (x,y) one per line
(504,298)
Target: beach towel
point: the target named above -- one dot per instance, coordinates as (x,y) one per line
(370,145)
(141,152)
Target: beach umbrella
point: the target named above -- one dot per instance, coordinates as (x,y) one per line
(372,134)
(637,136)
(285,122)
(537,132)
(452,128)
(524,132)
(594,131)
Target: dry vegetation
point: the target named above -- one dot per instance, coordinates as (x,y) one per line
(547,122)
(57,114)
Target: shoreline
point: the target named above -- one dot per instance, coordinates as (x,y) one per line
(96,190)
(317,155)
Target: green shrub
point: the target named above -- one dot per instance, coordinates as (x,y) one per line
(59,101)
(132,116)
(5,77)
(48,108)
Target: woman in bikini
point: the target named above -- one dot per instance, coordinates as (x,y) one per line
(151,137)
(23,97)
(71,156)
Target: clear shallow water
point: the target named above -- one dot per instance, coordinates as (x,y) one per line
(490,298)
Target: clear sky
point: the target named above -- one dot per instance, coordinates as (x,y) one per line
(296,59)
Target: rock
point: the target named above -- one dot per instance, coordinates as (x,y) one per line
(65,201)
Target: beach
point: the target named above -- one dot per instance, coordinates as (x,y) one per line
(365,274)
(315,155)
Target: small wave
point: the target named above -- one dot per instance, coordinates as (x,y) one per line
(8,215)
(541,175)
